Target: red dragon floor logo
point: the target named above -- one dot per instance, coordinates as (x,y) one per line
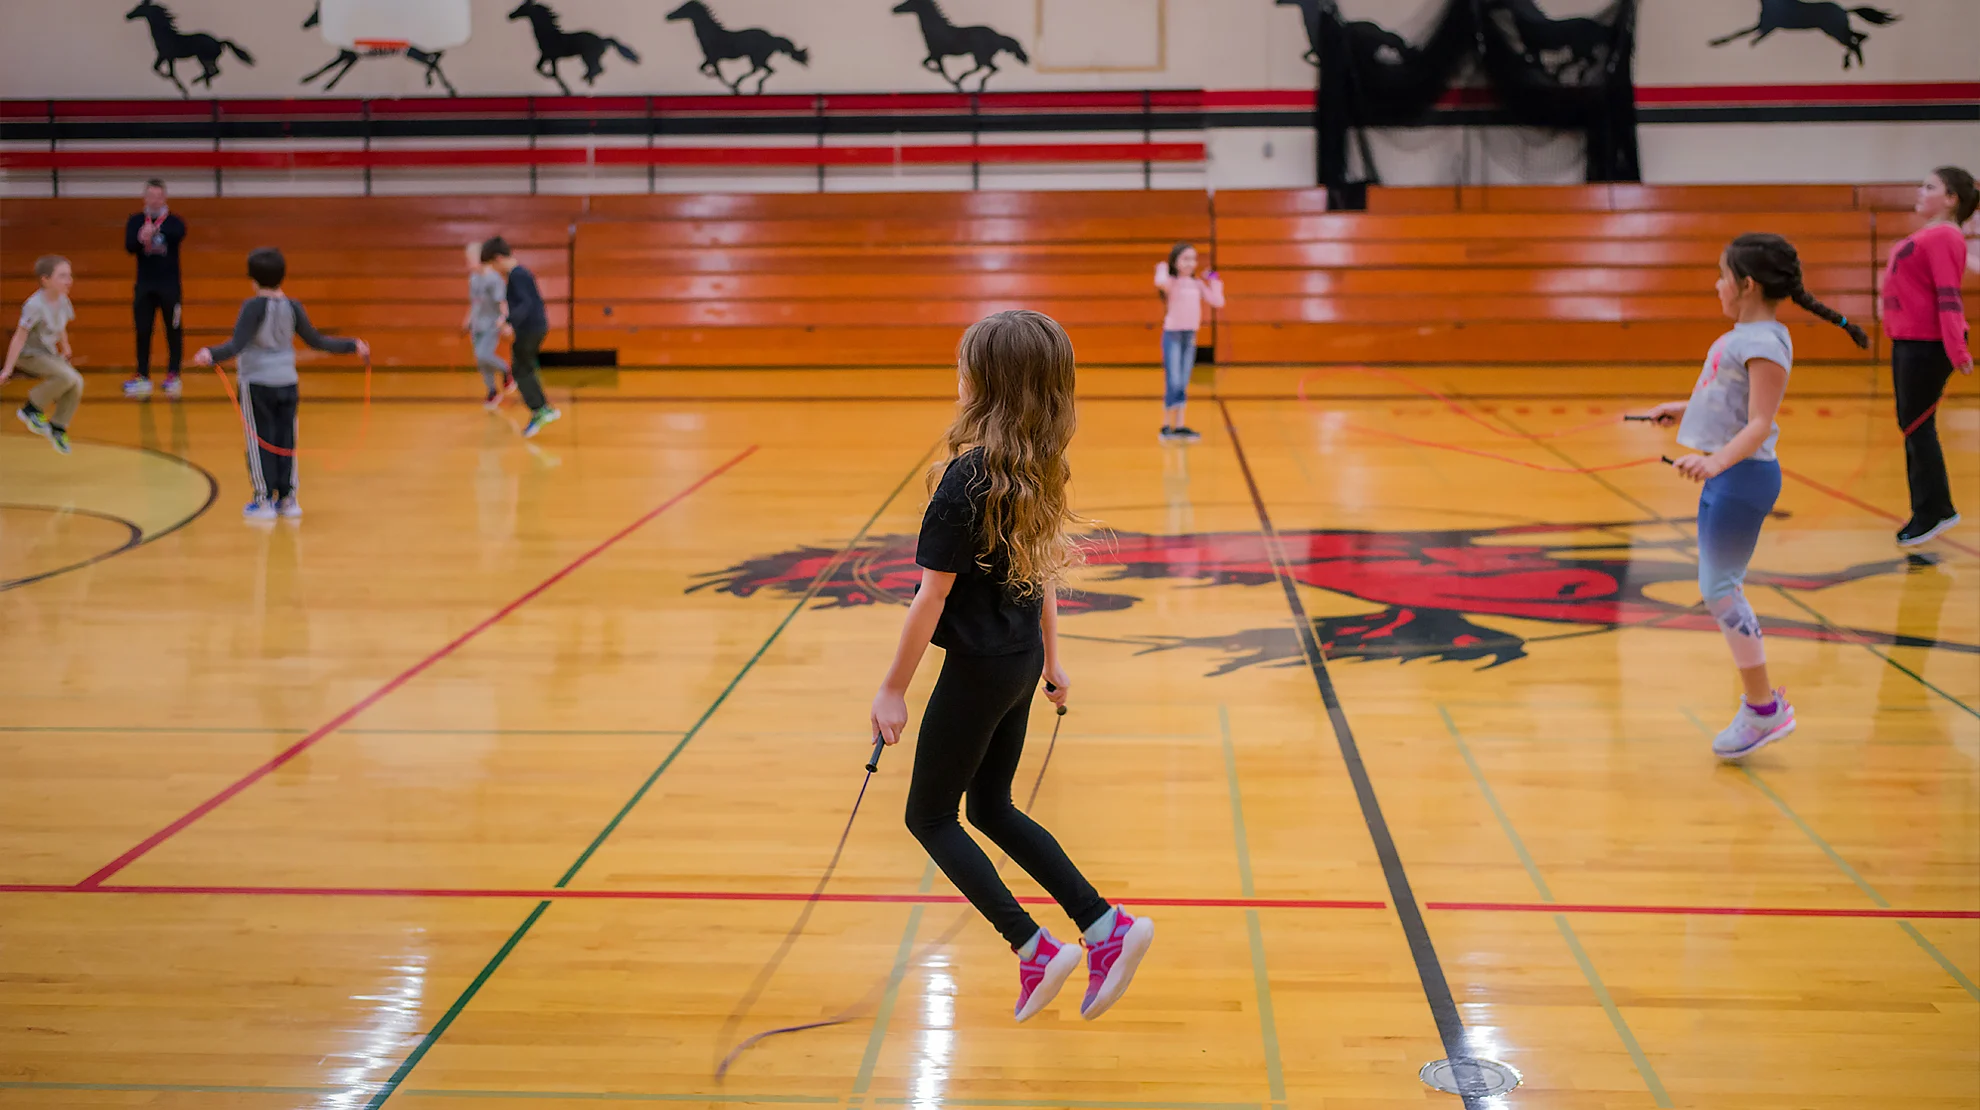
(1429,585)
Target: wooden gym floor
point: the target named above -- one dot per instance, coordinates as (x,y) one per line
(498,779)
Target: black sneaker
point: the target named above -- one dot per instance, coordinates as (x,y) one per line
(1914,533)
(1166,431)
(1183,432)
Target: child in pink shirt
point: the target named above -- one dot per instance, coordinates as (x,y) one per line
(1926,322)
(1183,293)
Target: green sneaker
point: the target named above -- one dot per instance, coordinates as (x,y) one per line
(538,419)
(36,423)
(59,440)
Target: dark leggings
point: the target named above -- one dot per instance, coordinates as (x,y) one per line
(972,736)
(147,305)
(1919,370)
(523,363)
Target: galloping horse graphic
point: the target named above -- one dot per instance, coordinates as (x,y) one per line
(346,58)
(1813,15)
(719,44)
(554,44)
(173,45)
(945,39)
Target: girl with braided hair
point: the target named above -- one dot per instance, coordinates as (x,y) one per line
(1730,418)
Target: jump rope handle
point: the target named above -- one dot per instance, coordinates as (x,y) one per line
(1051,689)
(1633,416)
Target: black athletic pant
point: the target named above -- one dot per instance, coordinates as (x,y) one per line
(1919,370)
(972,736)
(523,363)
(150,302)
(270,411)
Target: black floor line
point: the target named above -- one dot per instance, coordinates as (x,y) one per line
(1429,970)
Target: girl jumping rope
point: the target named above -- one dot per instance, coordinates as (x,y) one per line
(1183,294)
(993,547)
(1730,417)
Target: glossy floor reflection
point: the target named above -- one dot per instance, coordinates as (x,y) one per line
(499,776)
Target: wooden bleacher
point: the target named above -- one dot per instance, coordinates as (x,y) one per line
(1572,275)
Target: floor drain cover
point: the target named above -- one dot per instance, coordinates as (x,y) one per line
(1469,1075)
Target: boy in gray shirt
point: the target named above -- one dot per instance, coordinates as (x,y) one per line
(264,341)
(40,349)
(488,310)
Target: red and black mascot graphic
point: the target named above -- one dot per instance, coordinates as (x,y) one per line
(1429,586)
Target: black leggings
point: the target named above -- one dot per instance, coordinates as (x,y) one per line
(147,304)
(1919,370)
(972,736)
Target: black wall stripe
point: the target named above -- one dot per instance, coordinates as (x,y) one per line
(521,127)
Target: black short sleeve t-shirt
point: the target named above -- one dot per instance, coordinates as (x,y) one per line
(980,616)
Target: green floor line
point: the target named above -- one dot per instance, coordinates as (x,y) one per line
(1588,972)
(1876,896)
(1644,1069)
(446,1021)
(439,1030)
(1498,811)
(1268,1024)
(884,1014)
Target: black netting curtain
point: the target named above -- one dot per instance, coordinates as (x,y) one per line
(1562,74)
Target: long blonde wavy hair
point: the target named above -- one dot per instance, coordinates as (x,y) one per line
(1017,405)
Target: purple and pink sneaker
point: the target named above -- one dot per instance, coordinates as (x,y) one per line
(1110,964)
(1041,976)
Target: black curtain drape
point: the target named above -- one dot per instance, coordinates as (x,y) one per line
(1565,74)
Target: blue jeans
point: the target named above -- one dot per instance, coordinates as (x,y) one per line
(1178,360)
(1731,509)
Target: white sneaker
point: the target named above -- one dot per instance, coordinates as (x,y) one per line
(137,387)
(1749,731)
(172,386)
(258,509)
(288,507)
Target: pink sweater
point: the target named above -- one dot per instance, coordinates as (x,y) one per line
(1186,297)
(1921,290)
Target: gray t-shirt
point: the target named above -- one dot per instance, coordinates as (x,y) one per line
(1717,410)
(486,291)
(45,318)
(264,340)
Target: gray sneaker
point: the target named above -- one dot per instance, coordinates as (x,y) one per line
(1749,731)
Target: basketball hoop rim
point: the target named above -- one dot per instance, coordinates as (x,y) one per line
(381,46)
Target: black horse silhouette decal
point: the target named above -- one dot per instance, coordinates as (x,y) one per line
(1577,46)
(945,40)
(1813,15)
(173,45)
(1370,43)
(719,44)
(554,44)
(346,58)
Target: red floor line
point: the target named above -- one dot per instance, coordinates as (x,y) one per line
(652,895)
(547,893)
(144,846)
(1706,911)
(1869,508)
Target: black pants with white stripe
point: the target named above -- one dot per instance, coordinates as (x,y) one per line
(270,411)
